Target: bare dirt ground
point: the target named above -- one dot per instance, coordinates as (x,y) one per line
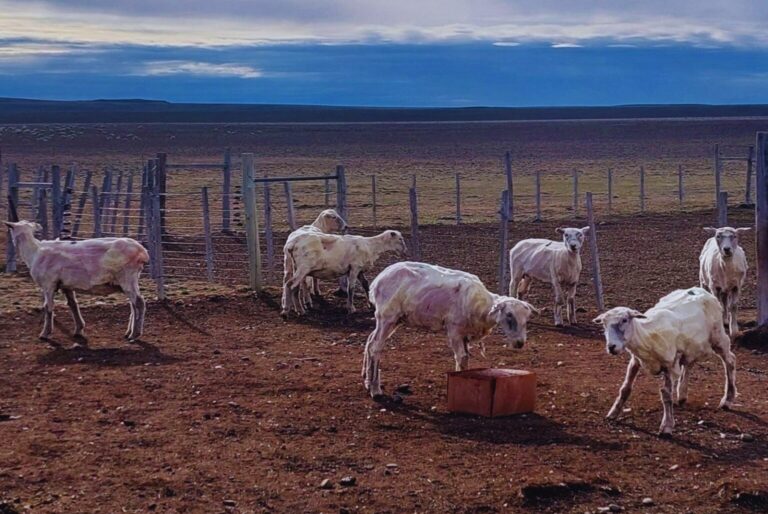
(224,407)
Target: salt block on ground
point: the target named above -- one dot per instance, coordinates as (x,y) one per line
(491,392)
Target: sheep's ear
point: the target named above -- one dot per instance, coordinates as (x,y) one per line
(560,230)
(585,230)
(710,230)
(496,308)
(637,314)
(38,227)
(741,230)
(532,308)
(10,224)
(599,320)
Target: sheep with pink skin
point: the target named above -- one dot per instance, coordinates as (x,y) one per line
(438,299)
(327,222)
(722,270)
(99,266)
(553,262)
(682,328)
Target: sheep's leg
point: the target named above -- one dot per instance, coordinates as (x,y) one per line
(372,354)
(287,274)
(77,317)
(316,287)
(138,307)
(514,281)
(366,288)
(668,419)
(351,284)
(682,384)
(459,347)
(523,287)
(294,285)
(723,350)
(48,296)
(572,305)
(131,320)
(626,388)
(558,304)
(722,297)
(733,309)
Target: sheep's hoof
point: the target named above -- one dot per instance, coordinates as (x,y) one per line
(379,397)
(681,401)
(665,433)
(725,405)
(44,337)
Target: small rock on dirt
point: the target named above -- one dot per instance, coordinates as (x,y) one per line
(348,481)
(747,438)
(615,508)
(674,467)
(230,503)
(326,484)
(404,389)
(647,501)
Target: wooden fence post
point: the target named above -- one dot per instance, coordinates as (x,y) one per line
(680,186)
(722,209)
(748,190)
(161,184)
(341,193)
(327,192)
(510,184)
(415,242)
(42,212)
(56,205)
(146,197)
(96,211)
(373,199)
(268,233)
(66,203)
(226,191)
(458,199)
(761,222)
(538,196)
(289,205)
(116,202)
(143,199)
(157,227)
(208,238)
(13,202)
(34,203)
(575,193)
(596,278)
(717,174)
(106,187)
(610,191)
(503,241)
(642,189)
(251,221)
(81,203)
(127,204)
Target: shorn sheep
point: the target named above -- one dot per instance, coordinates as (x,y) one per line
(722,269)
(327,222)
(683,327)
(99,266)
(328,256)
(438,299)
(554,262)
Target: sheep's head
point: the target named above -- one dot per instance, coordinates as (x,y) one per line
(727,239)
(573,238)
(23,227)
(617,325)
(330,222)
(511,315)
(395,242)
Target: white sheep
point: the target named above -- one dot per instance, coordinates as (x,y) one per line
(722,269)
(683,327)
(330,256)
(99,266)
(327,222)
(554,262)
(437,299)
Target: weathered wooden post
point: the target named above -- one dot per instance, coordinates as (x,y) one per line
(642,189)
(157,217)
(96,212)
(161,185)
(503,241)
(722,209)
(226,191)
(251,221)
(291,213)
(42,211)
(510,183)
(748,190)
(610,191)
(575,193)
(106,187)
(717,174)
(268,233)
(127,204)
(538,196)
(761,221)
(458,199)
(415,242)
(81,203)
(143,198)
(147,189)
(34,204)
(373,199)
(116,203)
(208,238)
(341,193)
(680,186)
(13,202)
(596,277)
(56,198)
(327,192)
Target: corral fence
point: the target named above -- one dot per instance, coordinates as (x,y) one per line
(224,221)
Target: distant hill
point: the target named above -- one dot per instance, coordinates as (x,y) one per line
(14,110)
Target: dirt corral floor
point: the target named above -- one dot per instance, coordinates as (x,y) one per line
(227,408)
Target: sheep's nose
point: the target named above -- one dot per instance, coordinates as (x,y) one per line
(573,247)
(612,349)
(519,343)
(727,251)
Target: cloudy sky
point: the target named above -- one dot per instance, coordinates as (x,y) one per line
(387,52)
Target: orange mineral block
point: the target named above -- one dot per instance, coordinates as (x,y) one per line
(491,392)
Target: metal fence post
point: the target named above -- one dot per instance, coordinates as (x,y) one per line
(415,242)
(458,199)
(596,278)
(503,241)
(341,193)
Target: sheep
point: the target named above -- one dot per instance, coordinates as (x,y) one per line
(722,269)
(100,266)
(327,222)
(330,256)
(668,339)
(555,262)
(436,298)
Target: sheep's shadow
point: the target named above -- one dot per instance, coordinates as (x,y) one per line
(139,354)
(580,330)
(176,315)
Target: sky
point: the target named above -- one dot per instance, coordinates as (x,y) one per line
(389,52)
